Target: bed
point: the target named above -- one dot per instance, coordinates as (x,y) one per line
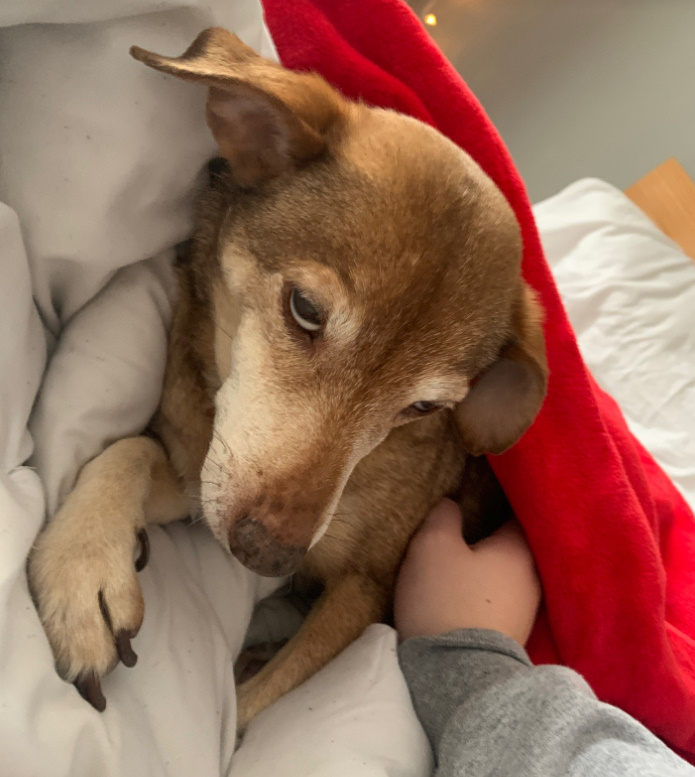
(91,205)
(667,195)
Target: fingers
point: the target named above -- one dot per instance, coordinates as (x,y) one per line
(507,552)
(444,584)
(510,534)
(439,537)
(445,517)
(507,543)
(443,525)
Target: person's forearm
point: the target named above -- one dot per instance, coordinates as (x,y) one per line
(487,710)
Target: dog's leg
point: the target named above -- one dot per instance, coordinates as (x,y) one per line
(339,617)
(82,570)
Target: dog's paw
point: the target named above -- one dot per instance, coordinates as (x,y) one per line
(84,581)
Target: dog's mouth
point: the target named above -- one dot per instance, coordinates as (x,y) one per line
(254,545)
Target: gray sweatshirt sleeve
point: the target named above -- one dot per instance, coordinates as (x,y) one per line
(488,711)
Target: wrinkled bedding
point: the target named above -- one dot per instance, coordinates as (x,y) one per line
(98,158)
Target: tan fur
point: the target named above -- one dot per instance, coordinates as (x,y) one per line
(302,449)
(87,550)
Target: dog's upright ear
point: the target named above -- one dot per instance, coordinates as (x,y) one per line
(505,399)
(264,117)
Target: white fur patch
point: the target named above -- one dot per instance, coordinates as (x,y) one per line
(449,390)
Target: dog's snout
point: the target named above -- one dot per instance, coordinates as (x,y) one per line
(254,545)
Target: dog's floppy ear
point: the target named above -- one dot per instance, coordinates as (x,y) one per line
(264,117)
(505,399)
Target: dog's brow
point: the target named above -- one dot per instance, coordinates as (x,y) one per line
(460,368)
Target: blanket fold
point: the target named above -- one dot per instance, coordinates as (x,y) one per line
(613,539)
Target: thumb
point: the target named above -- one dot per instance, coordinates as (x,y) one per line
(445,519)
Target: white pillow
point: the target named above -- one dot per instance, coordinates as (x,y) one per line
(352,719)
(630,295)
(99,154)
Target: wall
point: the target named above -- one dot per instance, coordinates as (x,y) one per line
(578,87)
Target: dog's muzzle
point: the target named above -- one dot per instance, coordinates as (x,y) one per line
(256,548)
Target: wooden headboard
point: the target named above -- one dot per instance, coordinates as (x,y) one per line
(667,196)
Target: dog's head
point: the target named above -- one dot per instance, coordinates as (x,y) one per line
(364,273)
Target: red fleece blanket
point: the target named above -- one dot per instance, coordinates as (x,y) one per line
(613,539)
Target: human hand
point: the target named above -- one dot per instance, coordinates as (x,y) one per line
(444,584)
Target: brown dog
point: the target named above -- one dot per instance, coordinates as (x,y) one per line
(352,273)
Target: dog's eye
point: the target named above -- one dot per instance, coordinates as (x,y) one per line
(304,312)
(424,407)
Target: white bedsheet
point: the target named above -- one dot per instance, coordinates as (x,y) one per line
(98,156)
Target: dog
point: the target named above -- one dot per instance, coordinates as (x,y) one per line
(351,335)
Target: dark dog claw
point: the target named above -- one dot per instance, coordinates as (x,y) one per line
(124,649)
(144,556)
(89,689)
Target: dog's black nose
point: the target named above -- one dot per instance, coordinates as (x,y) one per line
(256,548)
